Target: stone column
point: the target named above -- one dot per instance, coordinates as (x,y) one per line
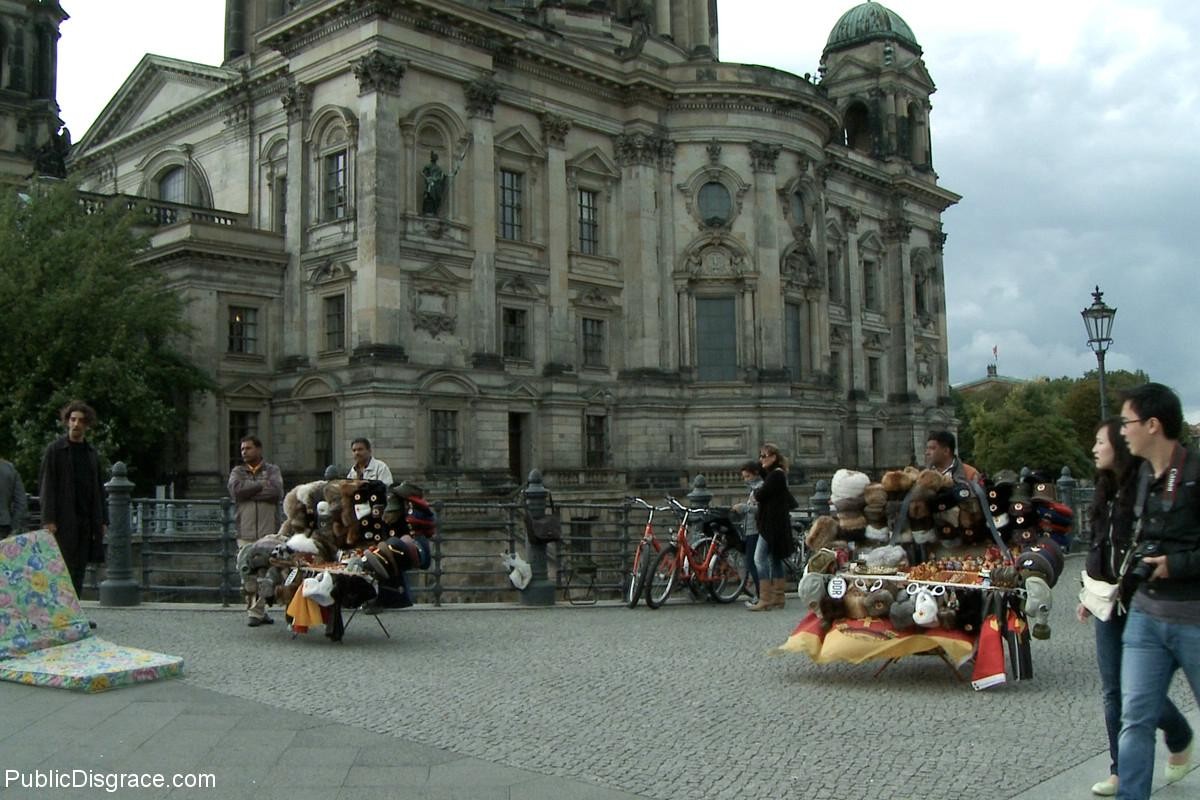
(941,380)
(662,17)
(902,348)
(766,257)
(854,305)
(637,153)
(669,345)
(560,206)
(377,300)
(482,94)
(297,100)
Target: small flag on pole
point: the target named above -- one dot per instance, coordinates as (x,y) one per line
(995,352)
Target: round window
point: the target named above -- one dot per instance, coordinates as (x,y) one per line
(715,205)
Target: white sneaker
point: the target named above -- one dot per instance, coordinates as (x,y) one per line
(1106,787)
(753,601)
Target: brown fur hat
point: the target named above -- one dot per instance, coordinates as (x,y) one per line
(930,480)
(346,531)
(895,482)
(298,504)
(875,494)
(821,533)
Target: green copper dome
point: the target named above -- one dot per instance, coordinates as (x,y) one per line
(867,22)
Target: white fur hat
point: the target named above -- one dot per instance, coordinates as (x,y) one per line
(847,483)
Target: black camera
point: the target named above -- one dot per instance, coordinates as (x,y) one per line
(1141,570)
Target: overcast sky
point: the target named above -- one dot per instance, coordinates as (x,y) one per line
(1069,127)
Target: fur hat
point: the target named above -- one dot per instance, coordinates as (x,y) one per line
(852,505)
(851,525)
(811,590)
(887,557)
(896,482)
(875,494)
(847,483)
(822,532)
(823,560)
(879,603)
(878,533)
(901,614)
(300,507)
(925,609)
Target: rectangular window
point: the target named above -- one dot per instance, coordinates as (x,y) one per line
(835,277)
(516,333)
(333,205)
(323,439)
(596,441)
(870,286)
(335,322)
(443,432)
(279,205)
(241,423)
(593,342)
(874,375)
(243,330)
(794,340)
(510,204)
(589,222)
(716,339)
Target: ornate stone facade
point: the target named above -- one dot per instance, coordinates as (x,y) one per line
(32,139)
(626,279)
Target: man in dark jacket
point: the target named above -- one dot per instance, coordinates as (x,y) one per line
(73,507)
(1162,631)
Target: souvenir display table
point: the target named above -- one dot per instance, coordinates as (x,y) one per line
(345,588)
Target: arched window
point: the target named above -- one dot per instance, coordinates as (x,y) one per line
(857,133)
(172,185)
(335,174)
(716,206)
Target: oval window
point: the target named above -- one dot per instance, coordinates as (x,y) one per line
(715,204)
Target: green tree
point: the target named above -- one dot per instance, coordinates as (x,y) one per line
(1081,404)
(1028,430)
(80,319)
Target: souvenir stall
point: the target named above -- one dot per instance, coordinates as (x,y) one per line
(345,545)
(918,563)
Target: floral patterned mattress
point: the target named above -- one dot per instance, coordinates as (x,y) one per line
(44,636)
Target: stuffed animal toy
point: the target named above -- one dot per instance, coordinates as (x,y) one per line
(519,571)
(879,603)
(855,602)
(948,610)
(822,533)
(299,507)
(829,610)
(925,609)
(901,614)
(1039,601)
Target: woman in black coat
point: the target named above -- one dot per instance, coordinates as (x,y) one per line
(1112,536)
(774,526)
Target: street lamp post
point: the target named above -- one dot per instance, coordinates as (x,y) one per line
(1098,318)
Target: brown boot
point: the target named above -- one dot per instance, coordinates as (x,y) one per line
(779,590)
(766,596)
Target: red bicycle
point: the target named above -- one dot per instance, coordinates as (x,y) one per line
(710,564)
(643,556)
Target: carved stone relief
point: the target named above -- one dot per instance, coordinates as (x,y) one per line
(378,71)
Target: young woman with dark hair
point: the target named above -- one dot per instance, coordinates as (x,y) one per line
(1112,537)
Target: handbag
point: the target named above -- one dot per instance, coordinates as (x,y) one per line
(1099,597)
(546,528)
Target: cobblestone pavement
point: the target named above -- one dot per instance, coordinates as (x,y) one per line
(682,702)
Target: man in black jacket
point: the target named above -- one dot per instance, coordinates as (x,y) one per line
(73,507)
(1162,632)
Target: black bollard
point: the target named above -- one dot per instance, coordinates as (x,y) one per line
(540,591)
(119,587)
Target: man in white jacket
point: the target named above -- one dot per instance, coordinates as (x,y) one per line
(366,467)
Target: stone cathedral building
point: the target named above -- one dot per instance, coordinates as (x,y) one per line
(492,236)
(30,138)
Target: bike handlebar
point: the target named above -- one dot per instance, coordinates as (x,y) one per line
(640,502)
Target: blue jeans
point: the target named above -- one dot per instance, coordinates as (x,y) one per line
(751,564)
(767,563)
(1173,724)
(1151,652)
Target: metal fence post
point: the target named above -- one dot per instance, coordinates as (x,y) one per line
(226,537)
(435,566)
(820,498)
(119,587)
(699,496)
(1066,495)
(540,591)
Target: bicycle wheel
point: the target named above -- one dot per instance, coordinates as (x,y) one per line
(637,575)
(727,575)
(661,576)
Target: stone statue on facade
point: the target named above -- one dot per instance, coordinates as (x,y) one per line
(639,22)
(435,186)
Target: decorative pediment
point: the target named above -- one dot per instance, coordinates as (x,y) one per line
(716,257)
(595,297)
(833,230)
(329,271)
(599,396)
(798,267)
(517,286)
(519,141)
(315,387)
(158,89)
(593,161)
(871,241)
(523,390)
(447,383)
(247,390)
(438,273)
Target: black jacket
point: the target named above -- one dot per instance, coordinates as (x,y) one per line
(1176,530)
(774,522)
(57,487)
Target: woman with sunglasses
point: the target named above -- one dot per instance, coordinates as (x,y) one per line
(774,527)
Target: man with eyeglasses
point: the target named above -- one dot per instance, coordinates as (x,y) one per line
(1162,632)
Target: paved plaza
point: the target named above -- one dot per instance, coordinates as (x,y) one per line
(595,703)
